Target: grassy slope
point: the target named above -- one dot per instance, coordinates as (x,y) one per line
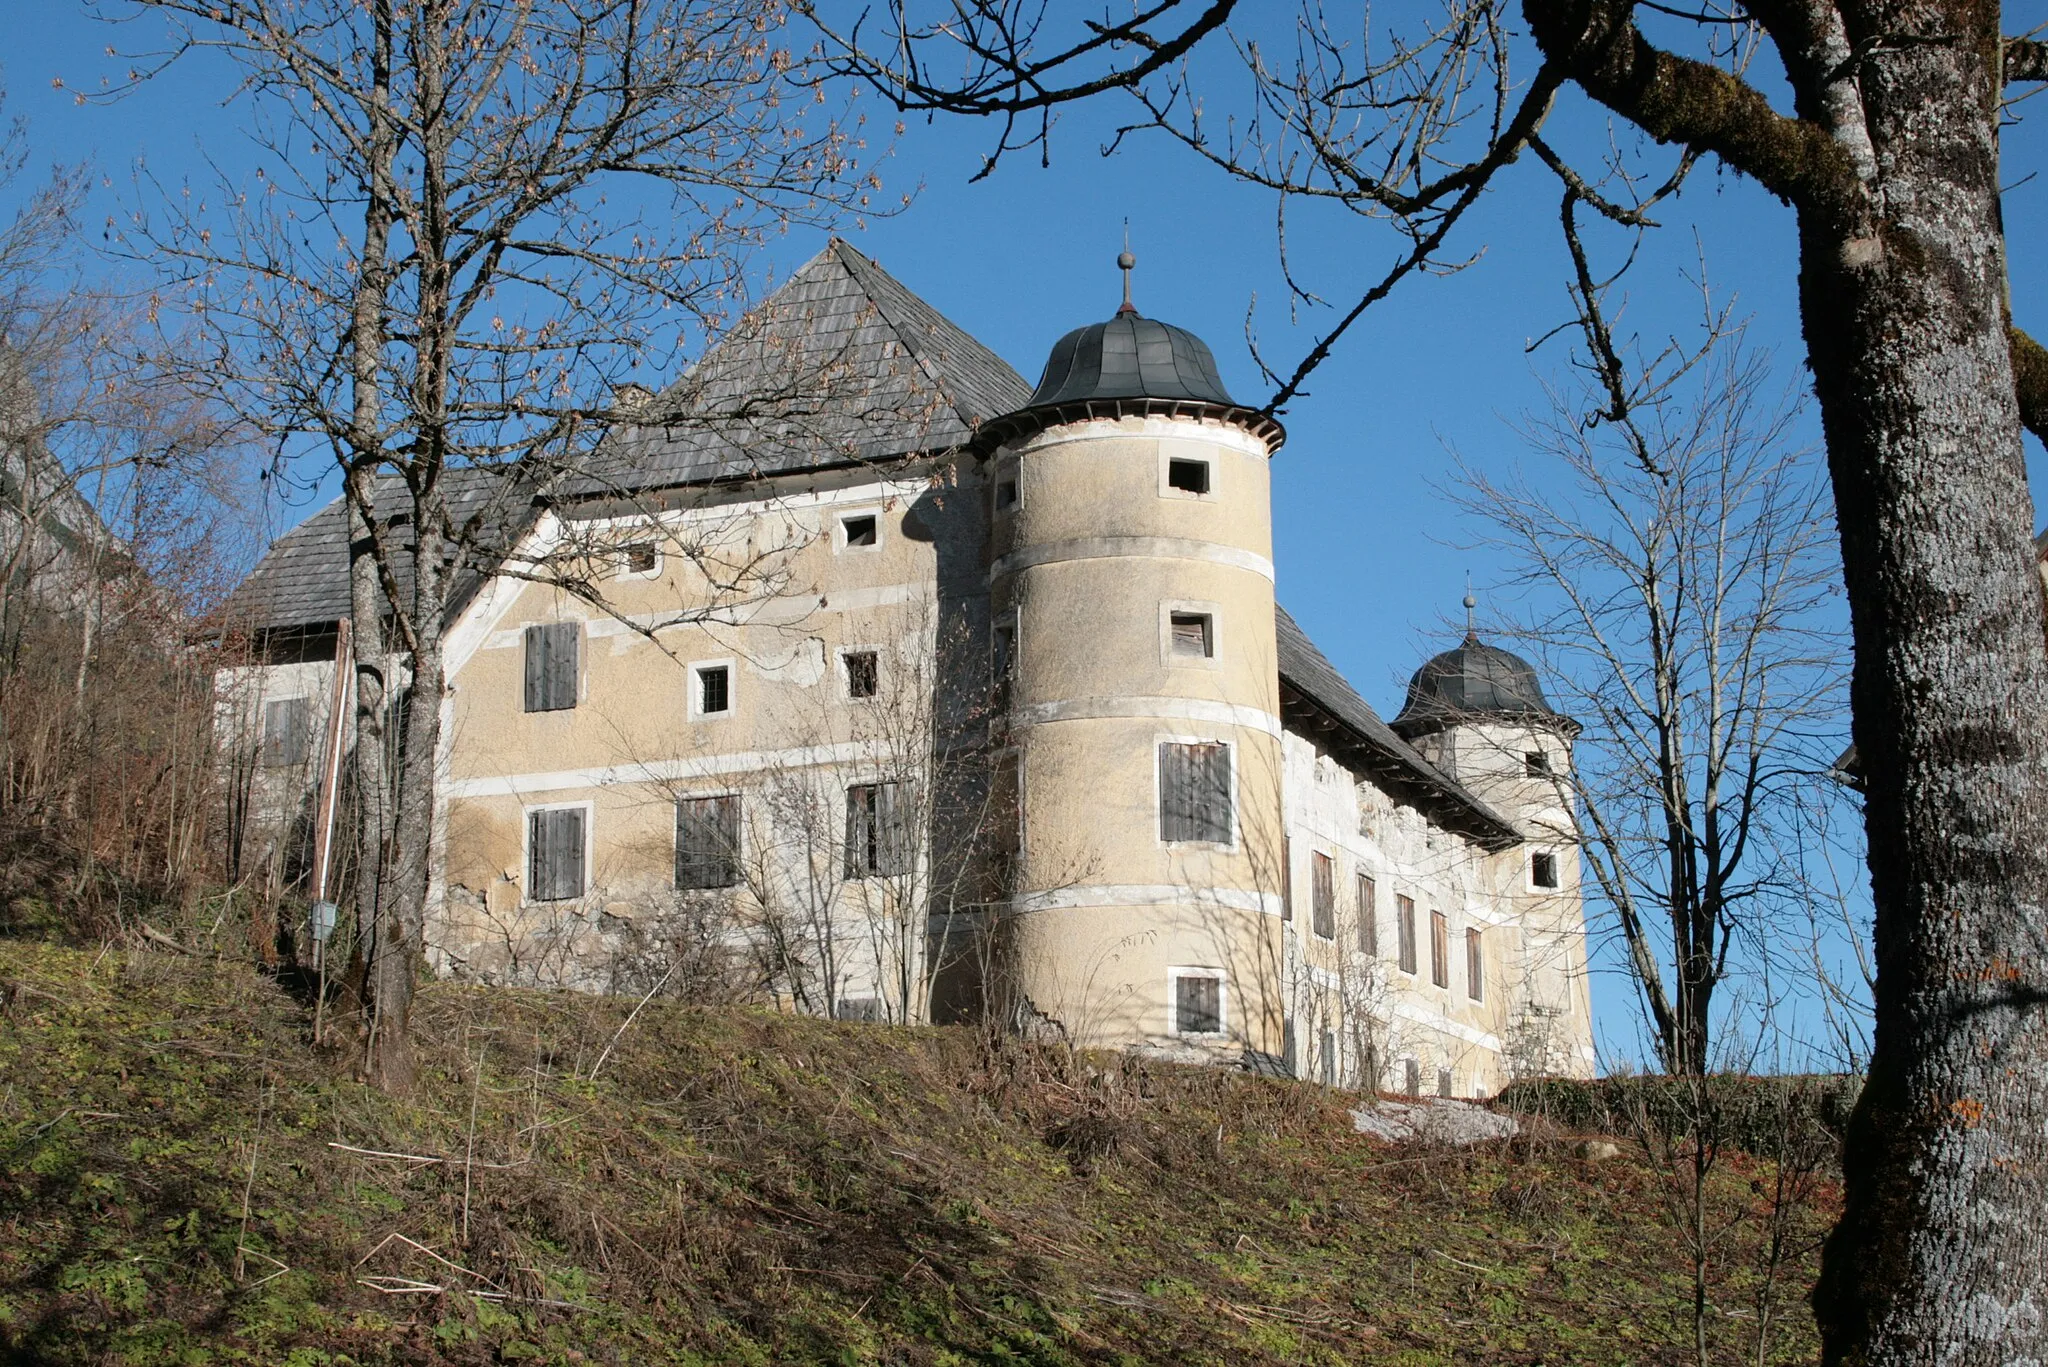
(738,1187)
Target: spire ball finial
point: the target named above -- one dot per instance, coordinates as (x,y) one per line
(1471,631)
(1125,262)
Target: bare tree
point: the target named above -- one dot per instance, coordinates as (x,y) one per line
(1888,156)
(1673,553)
(468,219)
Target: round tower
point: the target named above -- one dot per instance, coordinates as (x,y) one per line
(1131,581)
(1478,713)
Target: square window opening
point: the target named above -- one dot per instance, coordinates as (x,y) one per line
(1198,1004)
(1006,493)
(714,690)
(861,531)
(863,674)
(1194,634)
(1536,764)
(1188,476)
(641,558)
(1543,870)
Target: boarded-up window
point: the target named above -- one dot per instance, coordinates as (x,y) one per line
(1439,949)
(877,830)
(551,665)
(1198,1004)
(554,854)
(863,674)
(1406,905)
(287,731)
(1324,909)
(1543,870)
(708,842)
(1368,915)
(640,558)
(1194,792)
(1475,966)
(1193,634)
(714,690)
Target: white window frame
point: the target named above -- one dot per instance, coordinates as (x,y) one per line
(846,680)
(1159,792)
(589,810)
(1213,611)
(732,689)
(625,549)
(845,515)
(1167,455)
(1222,979)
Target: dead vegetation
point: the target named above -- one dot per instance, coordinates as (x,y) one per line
(185,1179)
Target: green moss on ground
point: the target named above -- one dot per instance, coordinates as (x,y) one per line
(184,1179)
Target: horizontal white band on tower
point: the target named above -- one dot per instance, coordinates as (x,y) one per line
(1128,548)
(1151,895)
(1142,708)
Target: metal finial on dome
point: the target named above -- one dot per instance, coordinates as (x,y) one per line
(1471,632)
(1125,262)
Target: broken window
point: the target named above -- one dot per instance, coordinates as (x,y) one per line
(1368,915)
(1439,949)
(877,830)
(287,727)
(708,842)
(1543,869)
(554,854)
(861,531)
(1406,906)
(1324,892)
(1194,792)
(1198,1004)
(863,674)
(551,665)
(1475,966)
(1188,476)
(714,690)
(1193,634)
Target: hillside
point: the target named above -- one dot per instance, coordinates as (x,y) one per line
(185,1180)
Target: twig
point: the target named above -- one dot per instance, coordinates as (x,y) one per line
(249,1186)
(381,1153)
(155,936)
(476,1083)
(628,1022)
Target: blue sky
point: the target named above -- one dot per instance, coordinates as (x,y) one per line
(1368,552)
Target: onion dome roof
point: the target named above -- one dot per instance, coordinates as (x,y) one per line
(1473,682)
(1130,357)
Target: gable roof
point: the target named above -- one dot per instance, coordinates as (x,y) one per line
(1320,702)
(842,364)
(302,580)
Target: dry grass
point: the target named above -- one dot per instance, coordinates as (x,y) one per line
(185,1180)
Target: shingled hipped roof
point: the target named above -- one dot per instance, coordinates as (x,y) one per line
(842,364)
(1320,702)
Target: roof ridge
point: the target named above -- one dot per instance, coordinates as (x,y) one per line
(860,267)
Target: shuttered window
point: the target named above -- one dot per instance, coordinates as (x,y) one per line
(1324,910)
(287,729)
(1406,906)
(1475,966)
(1194,792)
(1368,915)
(877,830)
(1198,1004)
(707,842)
(1439,949)
(554,854)
(1192,634)
(551,665)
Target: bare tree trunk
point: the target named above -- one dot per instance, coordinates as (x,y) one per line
(1943,1246)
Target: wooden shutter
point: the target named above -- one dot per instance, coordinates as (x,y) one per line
(860,830)
(1368,915)
(1406,905)
(1215,793)
(565,640)
(1190,633)
(892,829)
(1198,1005)
(1439,949)
(537,669)
(1411,1077)
(707,842)
(286,724)
(1475,966)
(554,854)
(1325,893)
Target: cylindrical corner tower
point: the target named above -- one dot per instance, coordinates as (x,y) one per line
(1131,579)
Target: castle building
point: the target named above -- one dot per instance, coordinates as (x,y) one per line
(856,672)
